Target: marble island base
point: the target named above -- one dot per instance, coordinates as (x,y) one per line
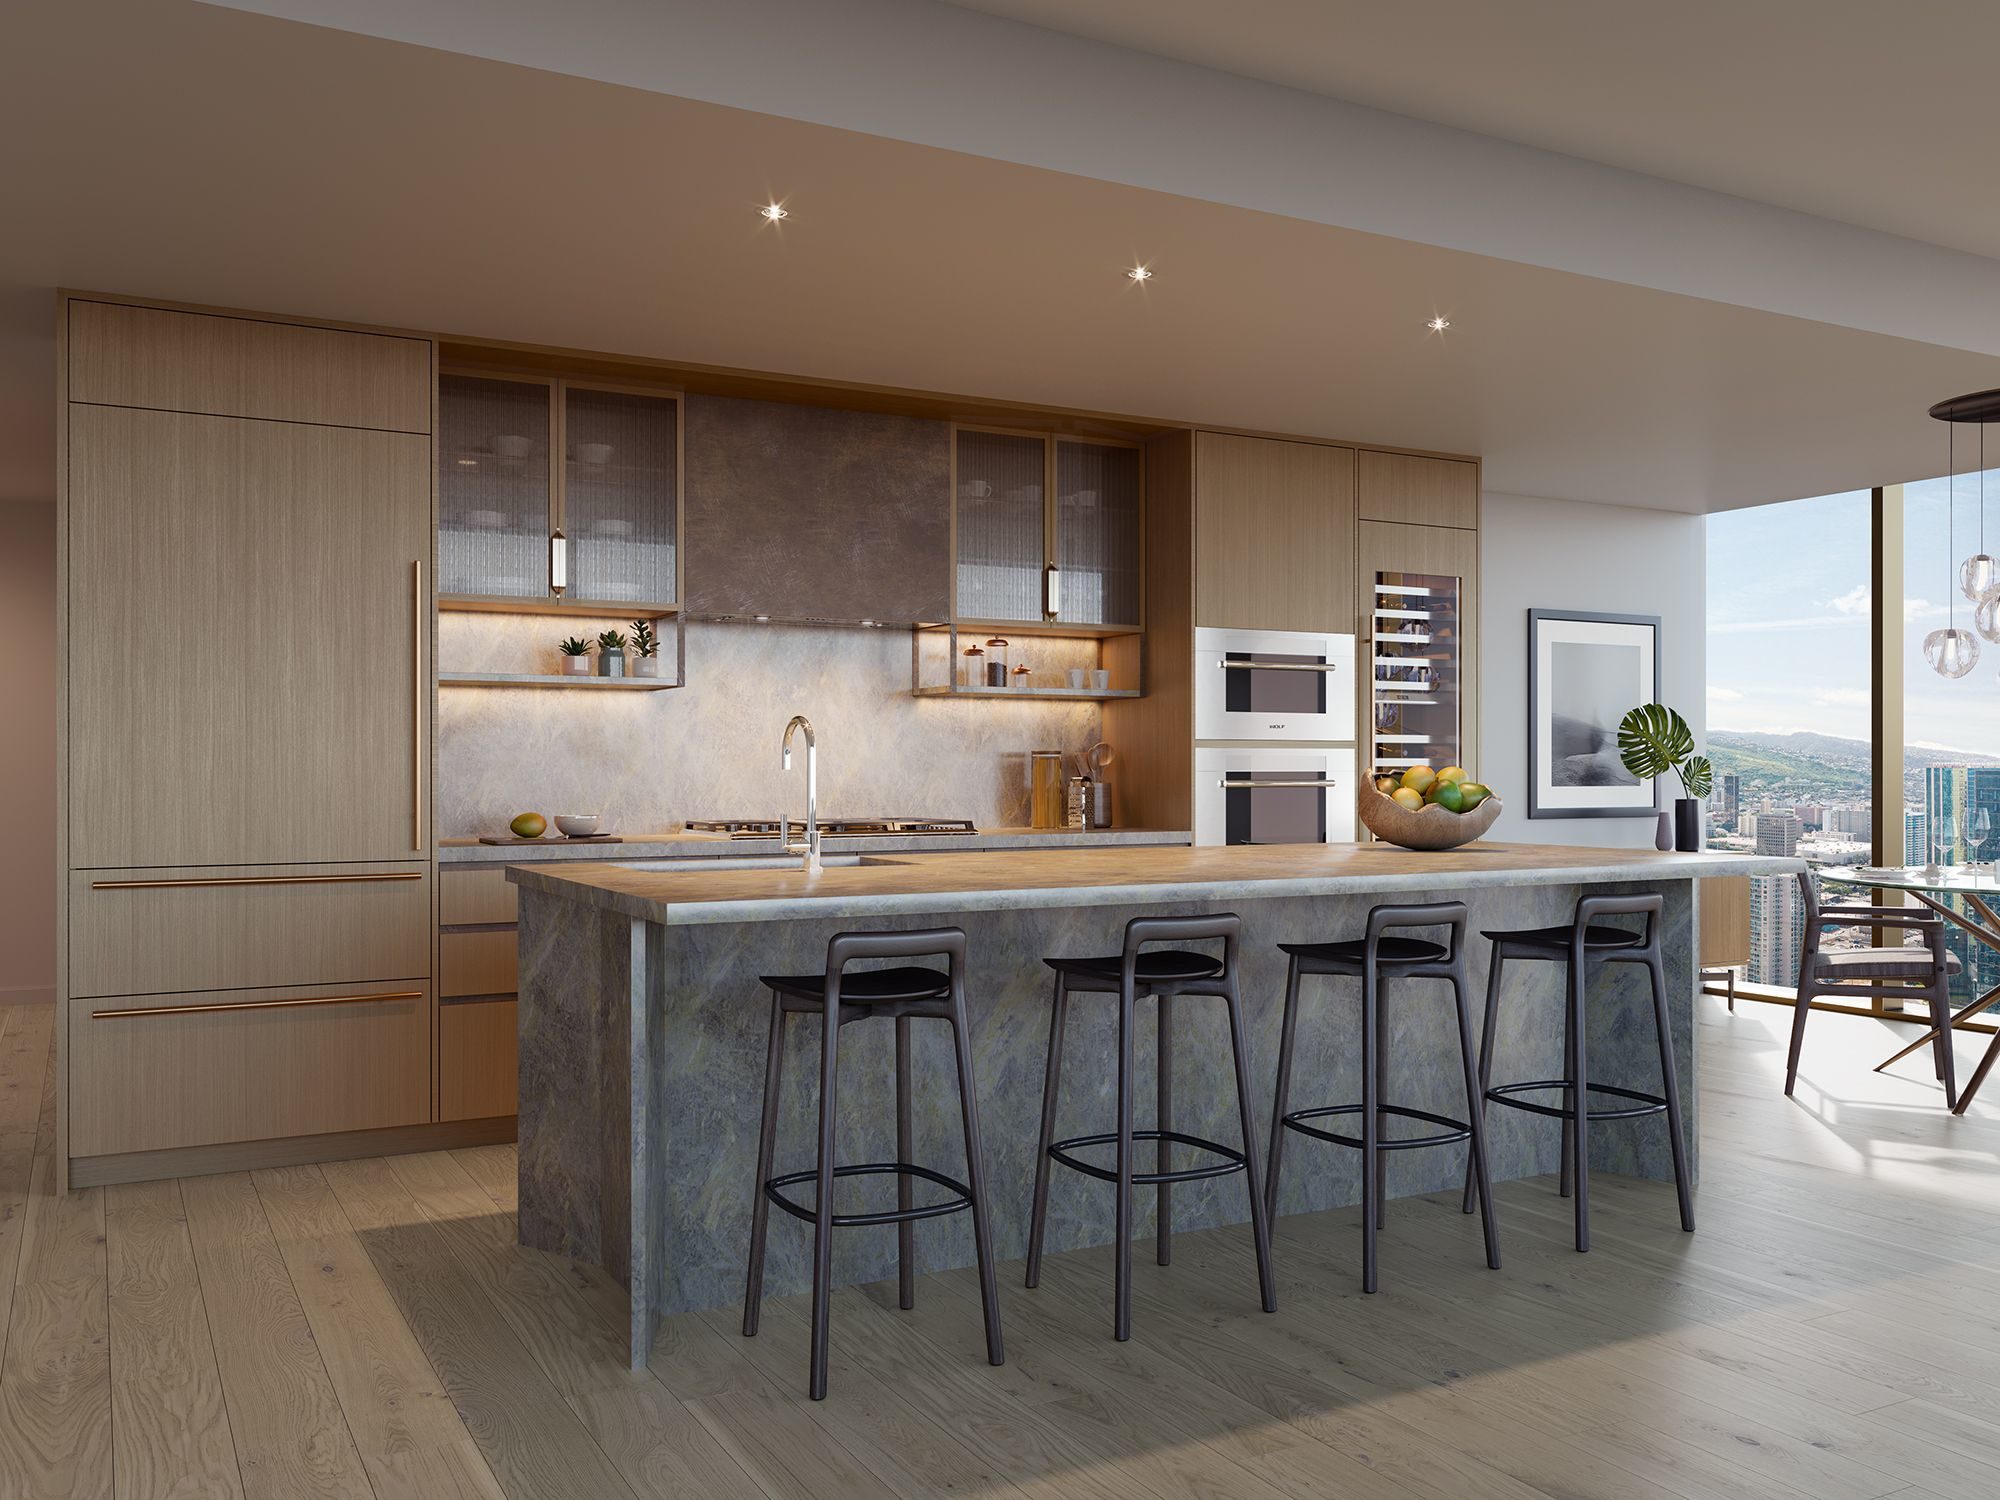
(642,1052)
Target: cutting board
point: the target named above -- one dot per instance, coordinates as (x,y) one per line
(561,838)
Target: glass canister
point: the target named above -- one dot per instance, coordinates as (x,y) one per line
(1047,794)
(973,673)
(996,663)
(1077,813)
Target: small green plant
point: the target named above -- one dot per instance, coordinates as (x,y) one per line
(644,641)
(1653,739)
(611,640)
(576,645)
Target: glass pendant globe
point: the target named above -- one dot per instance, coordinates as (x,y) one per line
(1979,577)
(1951,653)
(1986,618)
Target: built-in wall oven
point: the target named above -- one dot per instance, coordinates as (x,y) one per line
(1273,794)
(1274,685)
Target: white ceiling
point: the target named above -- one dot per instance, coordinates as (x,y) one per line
(204,154)
(1870,113)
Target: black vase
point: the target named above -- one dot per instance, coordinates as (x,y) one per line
(1687,825)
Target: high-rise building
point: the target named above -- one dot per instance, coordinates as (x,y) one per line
(1916,839)
(1777,833)
(1776,912)
(1852,822)
(1809,814)
(1955,798)
(1730,798)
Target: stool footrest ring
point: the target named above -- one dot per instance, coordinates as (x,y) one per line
(1454,1131)
(1644,1104)
(957,1204)
(1232,1159)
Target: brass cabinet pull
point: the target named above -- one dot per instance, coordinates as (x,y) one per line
(417,705)
(211,1010)
(205,881)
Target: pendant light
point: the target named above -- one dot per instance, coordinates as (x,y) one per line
(1979,574)
(1951,652)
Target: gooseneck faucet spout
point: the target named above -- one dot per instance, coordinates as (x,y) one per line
(810,849)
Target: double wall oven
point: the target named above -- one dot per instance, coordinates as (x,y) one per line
(1274,730)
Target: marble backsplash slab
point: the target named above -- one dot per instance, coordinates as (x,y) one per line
(648,762)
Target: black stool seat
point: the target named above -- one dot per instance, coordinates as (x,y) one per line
(1163,964)
(867,986)
(1393,950)
(1559,938)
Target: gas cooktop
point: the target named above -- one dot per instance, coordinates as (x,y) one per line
(831,828)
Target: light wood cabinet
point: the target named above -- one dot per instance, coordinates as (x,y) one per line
(121,355)
(150,1073)
(249,621)
(1725,921)
(161,930)
(1274,534)
(472,895)
(1416,491)
(1441,551)
(478,1060)
(481,964)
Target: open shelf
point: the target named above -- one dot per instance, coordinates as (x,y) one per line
(1036,628)
(603,609)
(555,680)
(1033,692)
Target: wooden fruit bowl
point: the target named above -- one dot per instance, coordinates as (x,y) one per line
(1429,827)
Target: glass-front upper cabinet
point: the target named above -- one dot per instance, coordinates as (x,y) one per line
(517,526)
(1048,530)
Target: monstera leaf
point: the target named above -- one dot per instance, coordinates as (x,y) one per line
(1653,739)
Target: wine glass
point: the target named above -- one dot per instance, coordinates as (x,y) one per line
(1982,829)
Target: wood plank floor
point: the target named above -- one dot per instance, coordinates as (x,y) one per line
(369,1329)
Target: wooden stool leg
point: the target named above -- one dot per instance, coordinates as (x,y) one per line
(975,1175)
(1486,1049)
(1121,1327)
(1163,1156)
(1281,1098)
(767,1146)
(1940,998)
(822,1280)
(906,1153)
(1038,1219)
(1801,1008)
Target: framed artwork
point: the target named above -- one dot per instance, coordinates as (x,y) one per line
(1585,673)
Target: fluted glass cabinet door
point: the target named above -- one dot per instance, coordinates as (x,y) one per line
(1097,533)
(493,487)
(1002,525)
(620,489)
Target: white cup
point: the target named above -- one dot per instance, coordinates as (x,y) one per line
(1076,675)
(1101,679)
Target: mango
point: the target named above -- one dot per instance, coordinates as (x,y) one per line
(529,826)
(1419,777)
(1452,773)
(1447,796)
(1471,794)
(1385,784)
(1407,798)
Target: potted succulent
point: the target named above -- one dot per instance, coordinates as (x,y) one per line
(1653,740)
(646,648)
(575,657)
(611,654)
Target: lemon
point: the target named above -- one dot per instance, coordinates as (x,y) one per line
(1419,777)
(1452,773)
(529,826)
(1407,798)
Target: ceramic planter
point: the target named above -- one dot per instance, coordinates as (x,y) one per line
(610,663)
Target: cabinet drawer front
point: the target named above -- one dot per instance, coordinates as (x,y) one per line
(1417,491)
(149,932)
(477,1060)
(477,963)
(151,1072)
(468,898)
(247,367)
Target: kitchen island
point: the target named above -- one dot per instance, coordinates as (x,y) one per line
(643,1030)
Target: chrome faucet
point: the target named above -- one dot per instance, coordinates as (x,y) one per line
(810,849)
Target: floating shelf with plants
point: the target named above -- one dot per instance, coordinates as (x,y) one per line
(634,660)
(1051,663)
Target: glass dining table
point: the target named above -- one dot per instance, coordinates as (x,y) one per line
(1936,886)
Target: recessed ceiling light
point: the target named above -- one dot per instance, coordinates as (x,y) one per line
(1438,324)
(1140,274)
(774,212)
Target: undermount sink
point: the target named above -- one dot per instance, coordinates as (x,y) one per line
(753,862)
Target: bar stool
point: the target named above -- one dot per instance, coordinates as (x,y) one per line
(1583,943)
(1375,959)
(904,993)
(1160,975)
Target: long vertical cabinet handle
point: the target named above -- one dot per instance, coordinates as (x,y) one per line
(417,696)
(1051,591)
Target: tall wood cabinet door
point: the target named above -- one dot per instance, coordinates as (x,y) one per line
(1383,547)
(249,674)
(1274,534)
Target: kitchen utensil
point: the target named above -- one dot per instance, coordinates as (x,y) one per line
(1099,757)
(578,825)
(1045,781)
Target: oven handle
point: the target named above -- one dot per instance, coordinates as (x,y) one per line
(1276,666)
(1227,785)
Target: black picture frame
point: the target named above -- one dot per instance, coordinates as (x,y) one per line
(1548,628)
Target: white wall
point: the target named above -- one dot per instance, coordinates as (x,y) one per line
(1556,554)
(28,751)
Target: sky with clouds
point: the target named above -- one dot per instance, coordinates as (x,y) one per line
(1789,609)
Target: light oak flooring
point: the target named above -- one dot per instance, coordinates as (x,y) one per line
(370,1329)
